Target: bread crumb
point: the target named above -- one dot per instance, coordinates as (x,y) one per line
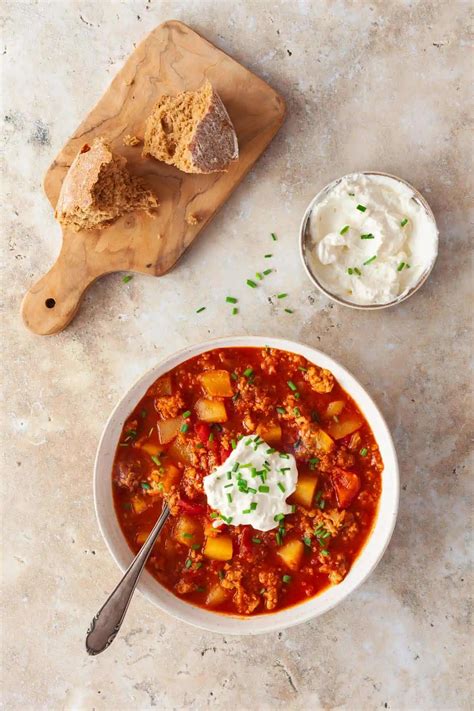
(131,140)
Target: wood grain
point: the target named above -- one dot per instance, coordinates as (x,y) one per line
(171,59)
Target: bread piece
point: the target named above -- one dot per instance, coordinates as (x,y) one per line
(98,189)
(192,131)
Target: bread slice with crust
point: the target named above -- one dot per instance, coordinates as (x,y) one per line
(192,131)
(98,189)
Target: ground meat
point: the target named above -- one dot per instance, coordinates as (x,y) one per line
(184,586)
(320,379)
(253,397)
(269,581)
(244,602)
(192,483)
(169,406)
(344,458)
(129,474)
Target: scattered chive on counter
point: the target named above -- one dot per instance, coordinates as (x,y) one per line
(127,278)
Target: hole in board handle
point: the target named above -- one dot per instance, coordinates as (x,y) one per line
(50,303)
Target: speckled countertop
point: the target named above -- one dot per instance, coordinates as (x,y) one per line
(382,85)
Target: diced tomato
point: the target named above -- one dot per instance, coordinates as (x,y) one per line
(203,430)
(225,452)
(191,509)
(245,541)
(346,485)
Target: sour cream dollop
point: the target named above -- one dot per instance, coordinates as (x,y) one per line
(371,241)
(252,485)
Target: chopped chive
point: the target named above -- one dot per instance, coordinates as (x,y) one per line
(324,552)
(281,486)
(221,574)
(307,541)
(357,271)
(285,469)
(344,230)
(289,311)
(362,208)
(251,283)
(248,373)
(145,485)
(235,311)
(226,519)
(198,311)
(196,546)
(211,437)
(297,412)
(400,266)
(251,490)
(256,540)
(281,410)
(228,486)
(367,236)
(293,508)
(267,271)
(259,275)
(270,451)
(253,505)
(284,455)
(274,237)
(279,517)
(234,376)
(291,385)
(233,444)
(303,369)
(322,504)
(188,563)
(235,397)
(264,489)
(404,222)
(187,414)
(363,452)
(282,296)
(214,514)
(278,538)
(372,259)
(235,467)
(268,256)
(286,578)
(229,498)
(187,535)
(184,427)
(231,299)
(155,459)
(127,278)
(351,194)
(246,511)
(350,271)
(407,266)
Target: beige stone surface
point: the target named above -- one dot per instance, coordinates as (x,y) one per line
(378,85)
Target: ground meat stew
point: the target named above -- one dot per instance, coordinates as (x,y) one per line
(188,423)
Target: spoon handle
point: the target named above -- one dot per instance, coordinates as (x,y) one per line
(107,622)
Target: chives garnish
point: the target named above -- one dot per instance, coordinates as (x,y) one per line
(256,540)
(248,372)
(251,283)
(268,256)
(231,299)
(289,311)
(246,511)
(253,505)
(211,437)
(155,459)
(278,538)
(235,467)
(404,222)
(251,490)
(226,519)
(285,469)
(307,541)
(188,563)
(362,208)
(363,452)
(350,271)
(127,278)
(228,486)
(270,451)
(367,236)
(400,266)
(233,444)
(302,368)
(283,455)
(297,412)
(274,237)
(279,517)
(293,508)
(267,271)
(198,311)
(229,498)
(344,230)
(145,485)
(196,546)
(281,486)
(234,376)
(282,296)
(214,514)
(264,489)
(291,385)
(187,413)
(281,410)
(324,552)
(357,271)
(286,578)
(259,275)
(187,535)
(372,259)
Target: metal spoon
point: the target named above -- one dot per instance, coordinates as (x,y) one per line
(107,622)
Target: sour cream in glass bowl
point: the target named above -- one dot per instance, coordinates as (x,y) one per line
(368,240)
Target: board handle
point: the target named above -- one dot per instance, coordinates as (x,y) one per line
(51,304)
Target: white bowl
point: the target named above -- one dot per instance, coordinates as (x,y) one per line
(230,624)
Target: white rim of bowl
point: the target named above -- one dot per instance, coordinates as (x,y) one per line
(213,621)
(304,236)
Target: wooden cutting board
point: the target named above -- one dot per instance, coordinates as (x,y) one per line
(171,59)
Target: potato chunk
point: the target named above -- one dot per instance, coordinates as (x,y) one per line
(217,383)
(305,490)
(211,410)
(322,441)
(180,450)
(163,386)
(346,485)
(270,432)
(170,477)
(168,429)
(292,554)
(345,426)
(216,595)
(188,531)
(154,450)
(335,408)
(219,548)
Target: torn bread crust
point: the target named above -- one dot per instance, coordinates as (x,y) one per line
(98,189)
(192,131)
